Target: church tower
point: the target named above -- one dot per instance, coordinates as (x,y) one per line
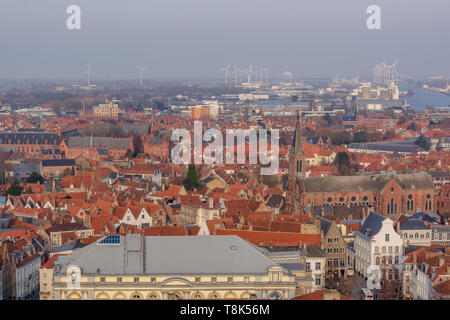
(297,167)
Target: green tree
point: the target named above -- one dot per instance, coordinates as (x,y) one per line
(35,178)
(360,136)
(15,190)
(192,181)
(2,177)
(423,143)
(342,162)
(29,190)
(129,154)
(412,126)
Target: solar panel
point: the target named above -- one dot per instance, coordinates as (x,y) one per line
(111,239)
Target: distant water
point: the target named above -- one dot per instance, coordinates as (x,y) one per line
(423,98)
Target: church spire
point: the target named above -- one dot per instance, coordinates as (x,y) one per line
(297,146)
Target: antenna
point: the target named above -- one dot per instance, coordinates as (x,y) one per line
(141,71)
(89,71)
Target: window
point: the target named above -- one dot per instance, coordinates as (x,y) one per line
(342,262)
(383,249)
(336,262)
(396,259)
(436,236)
(386,237)
(152,279)
(308,266)
(246,279)
(213,279)
(136,279)
(197,279)
(317,265)
(416,235)
(230,279)
(102,279)
(353,199)
(330,240)
(317,281)
(119,279)
(427,235)
(444,236)
(336,240)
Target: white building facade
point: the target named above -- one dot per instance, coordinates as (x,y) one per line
(377,244)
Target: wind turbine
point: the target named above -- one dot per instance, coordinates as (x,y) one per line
(89,71)
(226,70)
(266,71)
(141,71)
(235,72)
(249,72)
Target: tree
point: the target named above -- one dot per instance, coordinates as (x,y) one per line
(342,162)
(412,126)
(192,181)
(29,190)
(129,154)
(2,177)
(360,136)
(423,143)
(15,190)
(137,144)
(35,178)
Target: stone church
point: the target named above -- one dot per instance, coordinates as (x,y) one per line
(390,194)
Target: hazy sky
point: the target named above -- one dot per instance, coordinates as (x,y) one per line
(194,38)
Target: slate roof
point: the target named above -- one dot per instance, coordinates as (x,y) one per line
(413,224)
(409,147)
(99,142)
(361,183)
(169,255)
(58,163)
(372,225)
(424,217)
(275,201)
(32,137)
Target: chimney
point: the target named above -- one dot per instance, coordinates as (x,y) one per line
(414,258)
(398,227)
(211,202)
(441,261)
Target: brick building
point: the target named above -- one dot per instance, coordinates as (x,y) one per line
(389,194)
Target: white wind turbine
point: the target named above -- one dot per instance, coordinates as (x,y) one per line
(266,71)
(226,70)
(141,72)
(89,71)
(236,72)
(249,72)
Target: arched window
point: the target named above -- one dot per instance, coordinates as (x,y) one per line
(299,165)
(274,296)
(353,199)
(341,199)
(416,235)
(197,295)
(136,296)
(153,296)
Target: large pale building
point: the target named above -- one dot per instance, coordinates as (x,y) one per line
(107,110)
(172,267)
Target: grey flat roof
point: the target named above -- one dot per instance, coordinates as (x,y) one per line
(170,255)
